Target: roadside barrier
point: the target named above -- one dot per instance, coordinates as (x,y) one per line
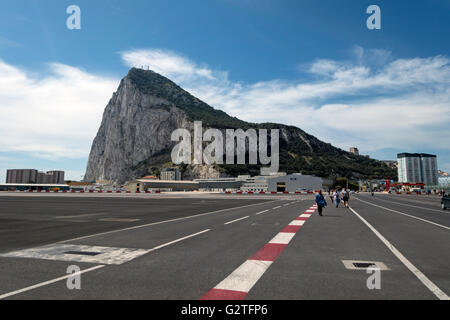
(158,192)
(267,192)
(83,191)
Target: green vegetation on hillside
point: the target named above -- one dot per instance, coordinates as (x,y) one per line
(300,153)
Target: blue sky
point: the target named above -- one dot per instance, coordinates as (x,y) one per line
(313,64)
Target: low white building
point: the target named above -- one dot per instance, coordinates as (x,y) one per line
(294,182)
(256,184)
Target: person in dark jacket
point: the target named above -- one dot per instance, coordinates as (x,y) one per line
(346,197)
(320,200)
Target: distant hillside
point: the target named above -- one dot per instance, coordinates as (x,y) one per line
(134,137)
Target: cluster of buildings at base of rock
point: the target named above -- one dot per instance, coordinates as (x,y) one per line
(414,170)
(31,176)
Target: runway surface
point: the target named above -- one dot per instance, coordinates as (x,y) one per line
(212,246)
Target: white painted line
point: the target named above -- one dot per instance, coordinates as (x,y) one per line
(59,252)
(297,223)
(118,220)
(6,295)
(229,222)
(165,221)
(245,276)
(410,205)
(310,211)
(305,215)
(81,215)
(427,282)
(405,214)
(283,238)
(178,240)
(285,205)
(278,207)
(262,212)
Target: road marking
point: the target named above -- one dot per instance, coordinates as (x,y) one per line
(305,215)
(164,221)
(237,285)
(118,220)
(297,223)
(278,207)
(405,214)
(245,276)
(60,252)
(262,212)
(229,222)
(6,295)
(177,240)
(80,215)
(94,268)
(285,205)
(410,205)
(427,282)
(282,238)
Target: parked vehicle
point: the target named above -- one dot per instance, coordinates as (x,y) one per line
(445,201)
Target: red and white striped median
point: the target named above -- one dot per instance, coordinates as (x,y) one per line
(264,192)
(237,285)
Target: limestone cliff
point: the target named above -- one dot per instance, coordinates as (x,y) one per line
(134,137)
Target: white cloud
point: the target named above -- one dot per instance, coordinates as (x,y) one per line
(403,104)
(54,116)
(172,65)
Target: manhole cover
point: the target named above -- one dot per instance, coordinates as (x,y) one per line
(82,253)
(363,265)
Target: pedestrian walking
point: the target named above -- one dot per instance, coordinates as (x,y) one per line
(321,203)
(337,198)
(346,197)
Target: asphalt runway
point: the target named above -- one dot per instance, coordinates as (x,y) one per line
(222,246)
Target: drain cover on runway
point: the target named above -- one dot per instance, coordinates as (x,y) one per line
(79,253)
(363,265)
(85,253)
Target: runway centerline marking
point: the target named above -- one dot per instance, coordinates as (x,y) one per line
(178,240)
(405,214)
(427,282)
(80,215)
(410,205)
(42,284)
(119,220)
(164,221)
(229,222)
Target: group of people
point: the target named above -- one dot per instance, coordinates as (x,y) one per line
(336,196)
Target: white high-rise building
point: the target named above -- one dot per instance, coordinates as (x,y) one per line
(417,167)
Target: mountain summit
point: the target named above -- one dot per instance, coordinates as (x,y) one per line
(134,137)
